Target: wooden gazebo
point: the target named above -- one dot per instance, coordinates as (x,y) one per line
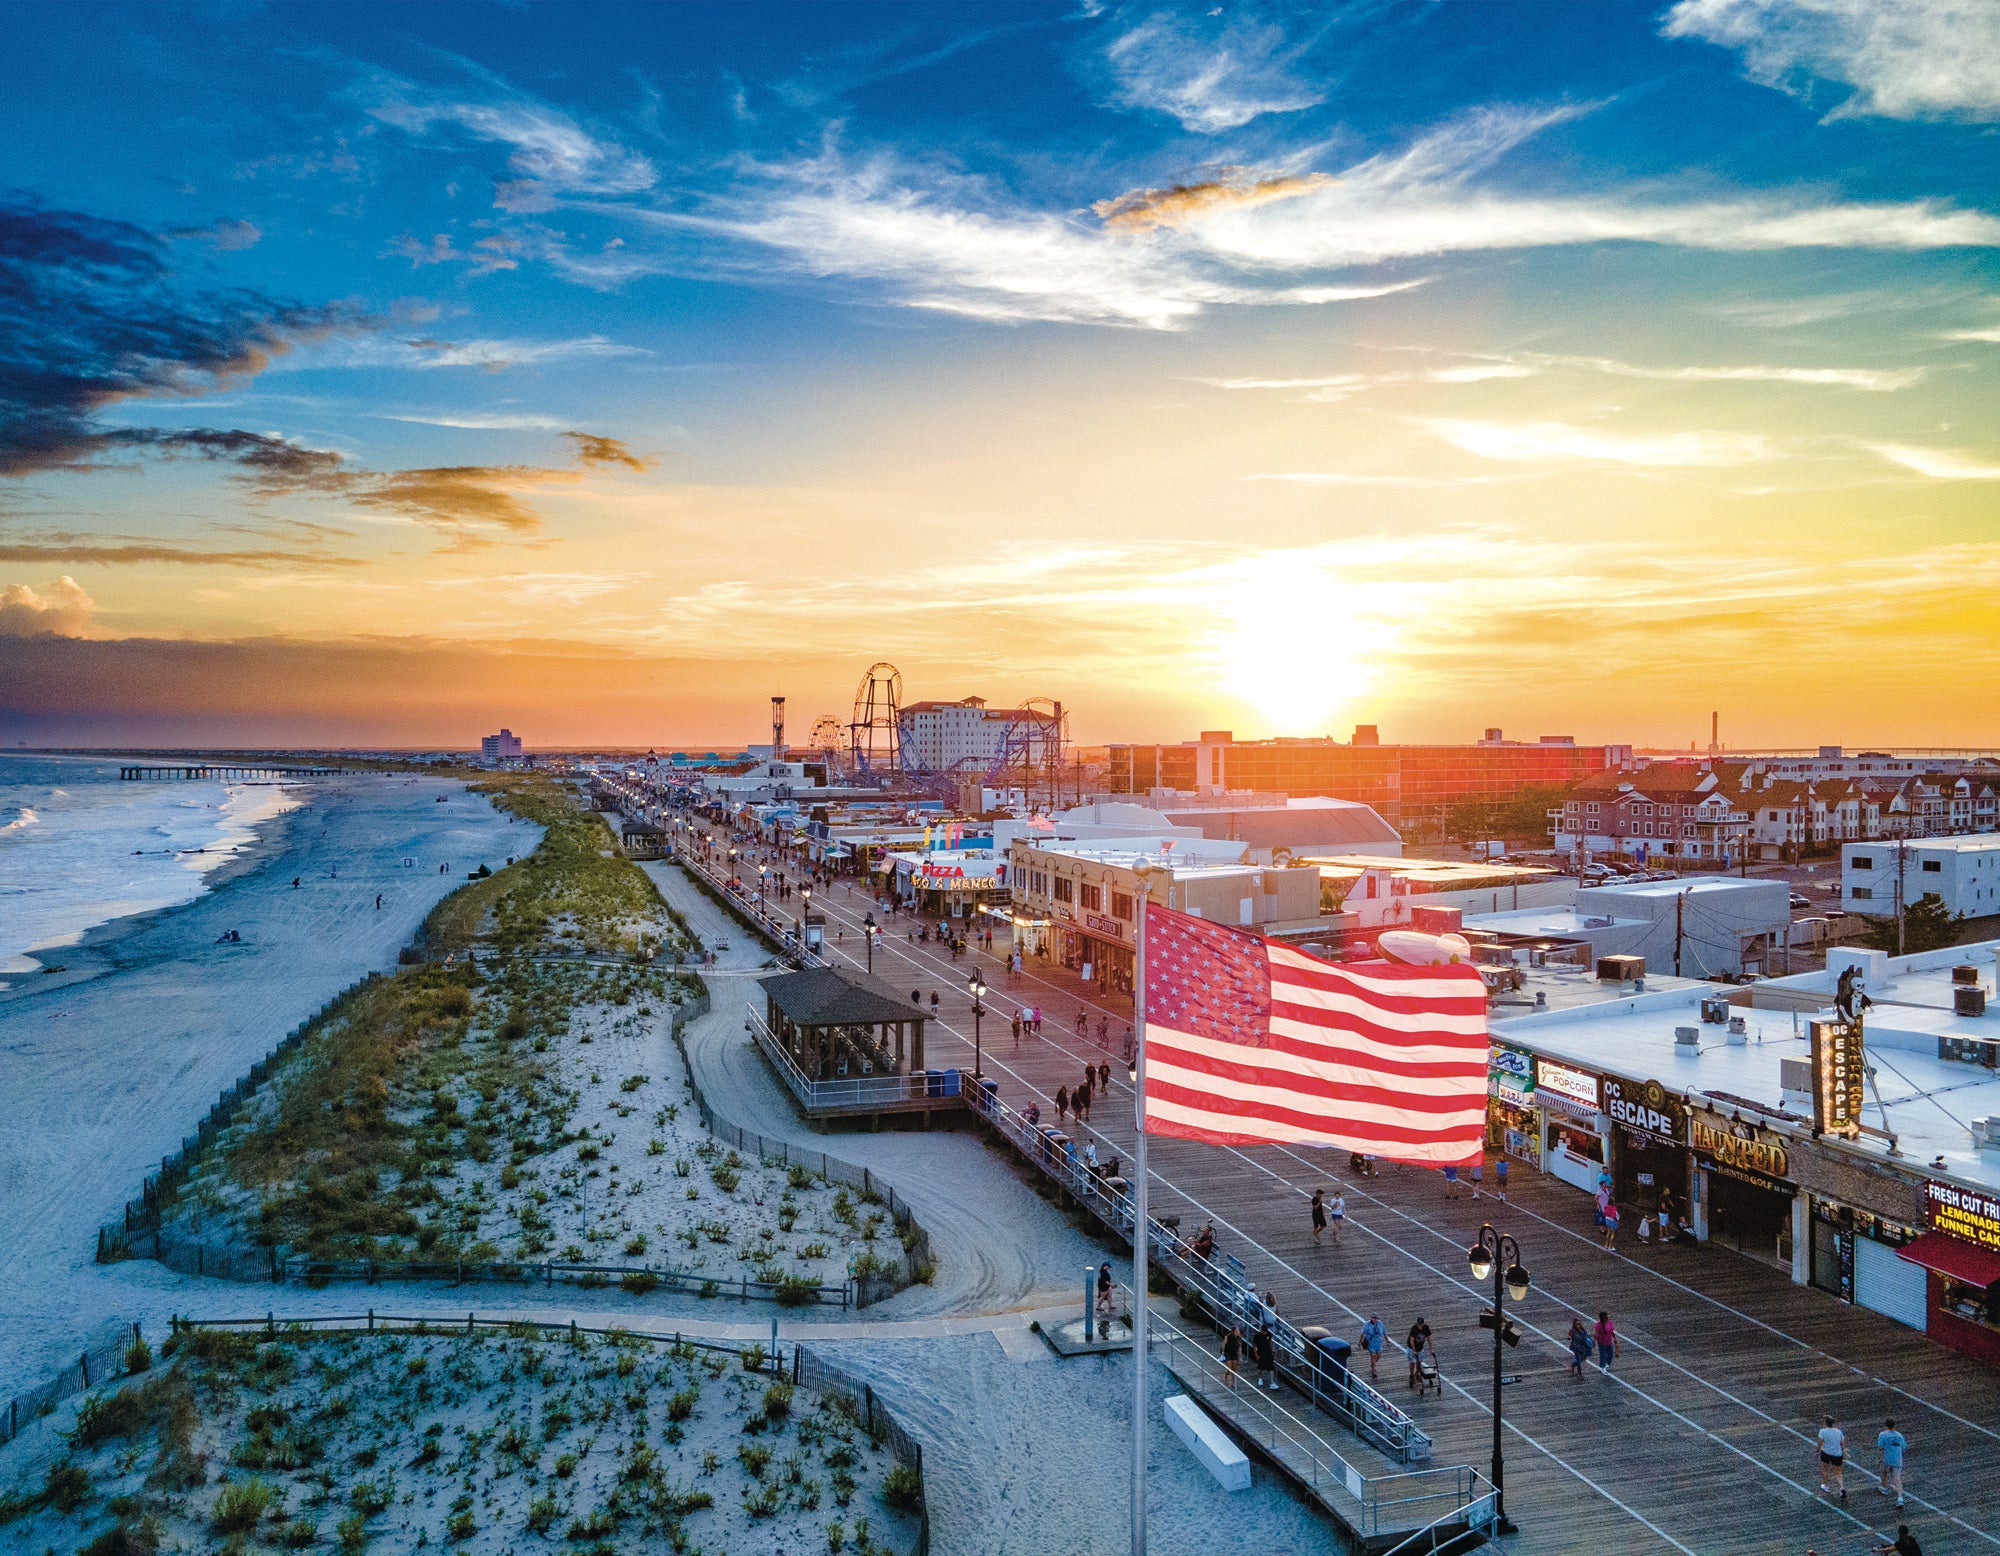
(839,1025)
(643,840)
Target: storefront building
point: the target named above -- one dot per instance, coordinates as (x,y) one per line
(1739,1186)
(1960,1256)
(1648,1144)
(1513,1118)
(1574,1147)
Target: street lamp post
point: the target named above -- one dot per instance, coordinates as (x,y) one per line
(976,987)
(868,934)
(762,871)
(805,918)
(1497,1255)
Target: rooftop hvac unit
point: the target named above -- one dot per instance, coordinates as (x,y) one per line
(1538,956)
(1739,1032)
(1795,1075)
(1715,1009)
(1965,973)
(1968,1001)
(1986,1134)
(1620,969)
(1687,1037)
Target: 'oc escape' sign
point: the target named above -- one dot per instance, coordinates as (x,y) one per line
(1838,1073)
(1967,1214)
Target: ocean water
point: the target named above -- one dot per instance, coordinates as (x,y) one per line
(79,846)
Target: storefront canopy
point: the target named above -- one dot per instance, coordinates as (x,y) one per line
(1948,1256)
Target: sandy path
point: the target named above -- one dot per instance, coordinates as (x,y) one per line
(999,1245)
(104,1077)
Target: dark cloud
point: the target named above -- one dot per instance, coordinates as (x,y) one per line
(66,551)
(593,450)
(224,233)
(88,317)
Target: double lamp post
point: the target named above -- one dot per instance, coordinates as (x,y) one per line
(1498,1257)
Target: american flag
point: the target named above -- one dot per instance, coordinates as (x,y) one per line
(1250,1042)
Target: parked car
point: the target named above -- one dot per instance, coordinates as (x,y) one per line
(1800,902)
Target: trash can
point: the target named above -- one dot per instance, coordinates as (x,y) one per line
(989,1095)
(950,1080)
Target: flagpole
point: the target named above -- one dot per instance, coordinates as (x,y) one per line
(1141,1250)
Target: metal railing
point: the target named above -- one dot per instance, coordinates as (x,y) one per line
(1354,1403)
(1427,1497)
(854,1093)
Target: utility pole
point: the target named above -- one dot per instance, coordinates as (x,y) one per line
(1680,904)
(1902,863)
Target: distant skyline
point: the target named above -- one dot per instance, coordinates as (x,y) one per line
(382,374)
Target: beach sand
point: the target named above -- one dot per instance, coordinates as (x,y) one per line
(105,1072)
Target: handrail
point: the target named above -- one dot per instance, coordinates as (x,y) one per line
(1348,1399)
(1326,1467)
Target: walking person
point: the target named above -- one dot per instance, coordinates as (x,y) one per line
(1606,1336)
(1265,1350)
(1374,1335)
(1318,1214)
(1082,1022)
(1017,1030)
(1062,1104)
(1415,1344)
(1578,1341)
(1104,1077)
(1666,1215)
(1500,1178)
(1610,1220)
(1451,1183)
(1104,1297)
(1336,1214)
(1892,1443)
(1832,1458)
(1232,1353)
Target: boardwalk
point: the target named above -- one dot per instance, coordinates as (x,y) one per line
(1698,1441)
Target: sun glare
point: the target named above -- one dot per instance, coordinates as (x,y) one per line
(1288,650)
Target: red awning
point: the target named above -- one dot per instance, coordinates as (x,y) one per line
(1948,1256)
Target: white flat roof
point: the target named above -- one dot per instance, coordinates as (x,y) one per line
(1692,883)
(1567,922)
(1930,1101)
(1975,843)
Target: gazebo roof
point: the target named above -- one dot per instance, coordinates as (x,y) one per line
(821,997)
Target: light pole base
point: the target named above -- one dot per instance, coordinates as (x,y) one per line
(1505,1526)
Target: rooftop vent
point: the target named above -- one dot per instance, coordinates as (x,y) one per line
(1968,1001)
(1687,1037)
(1620,969)
(1965,973)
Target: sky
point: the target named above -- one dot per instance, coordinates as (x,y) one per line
(381,374)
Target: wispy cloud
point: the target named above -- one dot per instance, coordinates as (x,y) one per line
(494,355)
(1426,199)
(1992,335)
(1554,440)
(1904,59)
(476,422)
(1939,464)
(1212,73)
(949,243)
(1528,364)
(552,153)
(1373,478)
(487,255)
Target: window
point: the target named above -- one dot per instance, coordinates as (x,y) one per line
(1862,893)
(1093,897)
(1121,904)
(1863,862)
(1065,889)
(1934,866)
(1591,808)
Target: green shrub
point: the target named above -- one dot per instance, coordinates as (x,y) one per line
(836,1536)
(242,1506)
(681,1404)
(352,1532)
(299,1534)
(138,1355)
(797,1291)
(67,1486)
(903,1487)
(755,1458)
(369,1497)
(777,1401)
(126,1539)
(639,1282)
(753,1358)
(542,1514)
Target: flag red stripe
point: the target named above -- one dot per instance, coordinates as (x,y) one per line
(1388,1060)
